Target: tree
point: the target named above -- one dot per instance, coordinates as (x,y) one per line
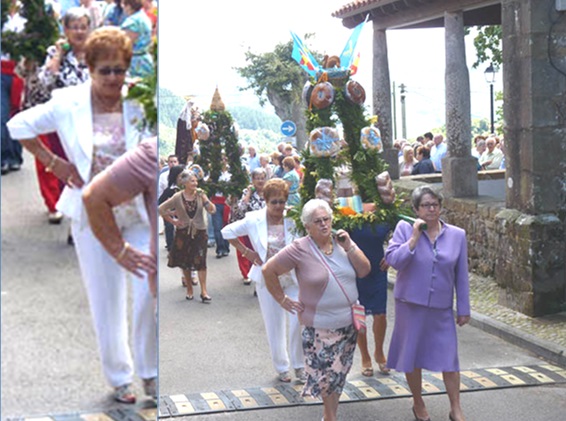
(275,77)
(40,31)
(488,46)
(221,144)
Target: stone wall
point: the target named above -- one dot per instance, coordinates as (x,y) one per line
(524,254)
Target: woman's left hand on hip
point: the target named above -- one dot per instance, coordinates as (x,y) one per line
(136,262)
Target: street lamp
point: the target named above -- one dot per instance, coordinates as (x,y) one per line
(489,74)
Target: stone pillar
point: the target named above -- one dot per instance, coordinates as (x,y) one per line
(459,170)
(533,270)
(382,99)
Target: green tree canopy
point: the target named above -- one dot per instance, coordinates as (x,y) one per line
(40,31)
(275,77)
(488,46)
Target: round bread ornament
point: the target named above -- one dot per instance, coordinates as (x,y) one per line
(197,170)
(307,91)
(322,95)
(370,137)
(324,142)
(203,132)
(355,92)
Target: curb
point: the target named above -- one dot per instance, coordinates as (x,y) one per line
(545,349)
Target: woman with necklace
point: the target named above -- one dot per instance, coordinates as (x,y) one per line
(269,231)
(252,199)
(431,265)
(185,210)
(96,127)
(326,266)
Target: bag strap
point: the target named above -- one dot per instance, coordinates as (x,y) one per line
(323,260)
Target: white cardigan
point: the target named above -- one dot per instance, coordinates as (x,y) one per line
(254,225)
(69,113)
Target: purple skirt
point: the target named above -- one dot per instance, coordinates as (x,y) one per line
(423,337)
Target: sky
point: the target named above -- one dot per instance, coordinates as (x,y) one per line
(201,41)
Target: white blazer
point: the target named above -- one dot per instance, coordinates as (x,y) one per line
(254,225)
(69,113)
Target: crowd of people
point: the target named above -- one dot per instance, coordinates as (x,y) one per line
(424,156)
(97,168)
(307,284)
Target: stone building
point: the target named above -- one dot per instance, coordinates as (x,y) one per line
(520,242)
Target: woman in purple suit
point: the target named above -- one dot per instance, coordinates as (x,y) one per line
(431,265)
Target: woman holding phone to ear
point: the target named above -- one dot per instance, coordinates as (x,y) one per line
(65,65)
(432,268)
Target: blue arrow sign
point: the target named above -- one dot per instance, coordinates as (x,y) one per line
(288,128)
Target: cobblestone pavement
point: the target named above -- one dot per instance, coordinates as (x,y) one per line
(484,300)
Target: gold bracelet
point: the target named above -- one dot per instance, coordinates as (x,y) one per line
(283,300)
(123,251)
(351,249)
(49,167)
(245,252)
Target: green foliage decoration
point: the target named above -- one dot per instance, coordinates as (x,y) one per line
(223,138)
(365,165)
(40,31)
(145,90)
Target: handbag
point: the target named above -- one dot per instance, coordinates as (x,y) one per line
(358,310)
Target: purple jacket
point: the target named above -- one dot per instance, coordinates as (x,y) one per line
(429,275)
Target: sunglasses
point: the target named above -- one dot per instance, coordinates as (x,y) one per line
(105,71)
(277,202)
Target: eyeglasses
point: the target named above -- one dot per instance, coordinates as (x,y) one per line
(78,28)
(105,71)
(322,221)
(277,202)
(429,205)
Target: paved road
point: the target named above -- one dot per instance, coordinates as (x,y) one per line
(222,347)
(50,363)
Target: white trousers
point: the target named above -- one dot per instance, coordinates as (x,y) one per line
(275,319)
(106,287)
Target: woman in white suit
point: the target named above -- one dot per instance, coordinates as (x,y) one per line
(269,231)
(96,126)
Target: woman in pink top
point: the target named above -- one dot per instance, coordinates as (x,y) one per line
(326,270)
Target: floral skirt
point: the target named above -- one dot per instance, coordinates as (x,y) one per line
(329,354)
(188,253)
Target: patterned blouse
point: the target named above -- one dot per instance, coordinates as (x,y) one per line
(256,203)
(142,62)
(71,72)
(275,243)
(109,144)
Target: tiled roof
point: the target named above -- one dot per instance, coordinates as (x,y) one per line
(358,6)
